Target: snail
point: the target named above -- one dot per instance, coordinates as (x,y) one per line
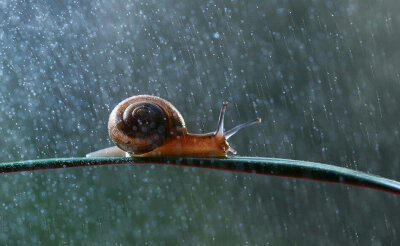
(149,126)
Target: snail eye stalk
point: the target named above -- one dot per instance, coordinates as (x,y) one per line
(220,127)
(233,131)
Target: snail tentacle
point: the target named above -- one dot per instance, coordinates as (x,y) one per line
(220,127)
(234,130)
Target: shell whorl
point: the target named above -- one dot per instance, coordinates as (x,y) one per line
(142,123)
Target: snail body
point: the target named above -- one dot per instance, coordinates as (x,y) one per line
(149,126)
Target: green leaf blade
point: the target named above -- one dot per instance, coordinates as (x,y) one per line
(256,165)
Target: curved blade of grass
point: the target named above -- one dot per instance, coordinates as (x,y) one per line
(255,165)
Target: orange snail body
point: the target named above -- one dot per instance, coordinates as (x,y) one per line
(149,126)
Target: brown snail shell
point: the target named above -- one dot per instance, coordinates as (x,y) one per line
(140,124)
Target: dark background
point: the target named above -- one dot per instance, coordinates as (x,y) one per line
(323,76)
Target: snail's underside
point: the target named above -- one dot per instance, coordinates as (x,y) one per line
(187,145)
(111,151)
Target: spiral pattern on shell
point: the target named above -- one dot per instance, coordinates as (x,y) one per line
(142,123)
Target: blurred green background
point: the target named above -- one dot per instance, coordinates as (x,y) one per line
(323,76)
